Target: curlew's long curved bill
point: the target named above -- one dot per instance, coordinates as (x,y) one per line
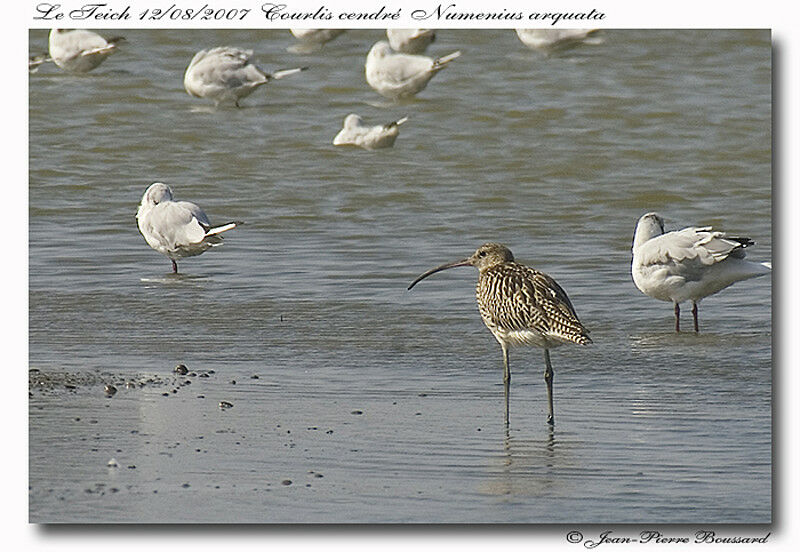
(463,262)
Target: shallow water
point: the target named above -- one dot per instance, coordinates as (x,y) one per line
(555,156)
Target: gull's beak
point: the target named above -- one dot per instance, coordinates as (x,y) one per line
(463,262)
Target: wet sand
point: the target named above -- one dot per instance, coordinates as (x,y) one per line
(206,447)
(168,448)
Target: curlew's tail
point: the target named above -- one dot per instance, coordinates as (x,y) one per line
(575,334)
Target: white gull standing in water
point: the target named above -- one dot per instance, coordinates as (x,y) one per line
(227,74)
(176,229)
(80,50)
(410,41)
(688,264)
(396,76)
(313,39)
(553,39)
(356,133)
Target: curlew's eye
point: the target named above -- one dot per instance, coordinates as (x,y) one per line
(482,254)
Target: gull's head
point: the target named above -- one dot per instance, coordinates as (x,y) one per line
(352,121)
(652,221)
(649,226)
(157,193)
(380,50)
(487,256)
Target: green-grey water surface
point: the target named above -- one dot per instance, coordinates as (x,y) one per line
(379,404)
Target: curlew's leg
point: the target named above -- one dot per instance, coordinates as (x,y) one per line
(174,266)
(508,400)
(506,369)
(677,317)
(506,377)
(548,379)
(694,315)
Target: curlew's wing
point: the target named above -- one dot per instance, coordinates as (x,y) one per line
(520,298)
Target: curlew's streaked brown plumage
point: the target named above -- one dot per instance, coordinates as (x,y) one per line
(521,306)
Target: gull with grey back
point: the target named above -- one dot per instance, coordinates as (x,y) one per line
(310,40)
(550,40)
(176,229)
(79,50)
(226,74)
(688,264)
(356,133)
(410,41)
(397,76)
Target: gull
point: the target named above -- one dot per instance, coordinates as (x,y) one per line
(313,39)
(520,306)
(225,73)
(35,61)
(176,229)
(79,50)
(356,133)
(553,39)
(688,264)
(410,41)
(397,76)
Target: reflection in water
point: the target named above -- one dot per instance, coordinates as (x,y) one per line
(203,109)
(661,340)
(528,467)
(175,279)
